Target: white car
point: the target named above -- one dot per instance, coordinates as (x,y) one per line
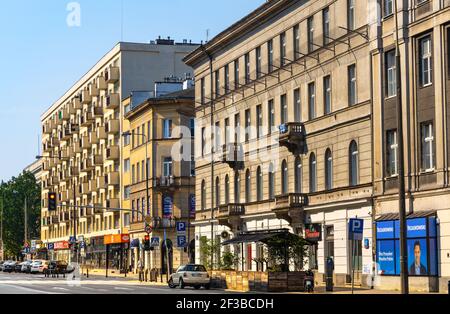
(38,267)
(190,275)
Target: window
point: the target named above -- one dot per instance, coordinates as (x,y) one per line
(426,63)
(427,146)
(248,187)
(138,172)
(271,116)
(298,175)
(237,188)
(126,139)
(202,90)
(167,128)
(296,41)
(297,106)
(352,85)
(227,78)
(351,14)
(259,121)
(217,87)
(133,174)
(326,26)
(203,142)
(217,192)
(237,128)
(312,100)
(388,7)
(227,189)
(284,178)
(192,166)
(283,49)
(217,136)
(258,62)
(236,74)
(312,173)
(126,165)
(248,123)
(270,55)
(247,68)
(327,94)
(127,192)
(283,109)
(310,34)
(203,195)
(353,164)
(271,182)
(391,74)
(328,170)
(191,126)
(167,167)
(391,150)
(227,131)
(259,185)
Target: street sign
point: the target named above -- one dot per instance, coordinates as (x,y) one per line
(181,227)
(154,242)
(148,219)
(72,240)
(51,246)
(356,229)
(181,241)
(148,229)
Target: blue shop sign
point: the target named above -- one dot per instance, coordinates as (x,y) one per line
(385,230)
(167,206)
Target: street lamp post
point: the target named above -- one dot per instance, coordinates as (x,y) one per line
(1,227)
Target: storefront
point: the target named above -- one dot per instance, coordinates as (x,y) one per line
(117,246)
(61,251)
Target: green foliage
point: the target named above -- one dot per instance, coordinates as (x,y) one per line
(282,250)
(12,198)
(224,261)
(229,261)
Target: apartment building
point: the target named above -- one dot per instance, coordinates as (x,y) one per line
(83,148)
(35,168)
(159,175)
(288,90)
(424,49)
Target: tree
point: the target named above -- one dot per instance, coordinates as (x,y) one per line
(13,193)
(285,248)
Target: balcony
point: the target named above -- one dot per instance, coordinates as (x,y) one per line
(74,171)
(93,90)
(68,131)
(93,185)
(292,136)
(54,220)
(112,75)
(169,183)
(112,179)
(47,147)
(76,103)
(86,165)
(233,155)
(101,183)
(84,188)
(96,111)
(113,203)
(46,129)
(55,180)
(77,147)
(64,217)
(290,207)
(63,115)
(113,153)
(93,139)
(85,144)
(85,97)
(231,215)
(101,83)
(164,223)
(112,101)
(112,127)
(101,133)
(97,160)
(86,119)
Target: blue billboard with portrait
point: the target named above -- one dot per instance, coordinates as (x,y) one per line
(421,247)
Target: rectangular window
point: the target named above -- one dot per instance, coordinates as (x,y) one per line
(283,49)
(192,166)
(217,85)
(236,74)
(167,128)
(202,91)
(426,63)
(312,100)
(217,136)
(138,172)
(327,94)
(271,116)
(427,143)
(391,74)
(352,85)
(133,174)
(296,41)
(167,167)
(351,14)
(247,68)
(192,126)
(388,7)
(297,106)
(227,78)
(126,165)
(326,26)
(127,192)
(227,131)
(391,150)
(259,121)
(248,123)
(283,109)
(258,62)
(310,34)
(126,140)
(237,128)
(270,55)
(203,141)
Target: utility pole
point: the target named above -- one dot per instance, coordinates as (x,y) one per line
(26,220)
(401,166)
(1,229)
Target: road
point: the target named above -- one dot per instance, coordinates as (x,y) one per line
(38,284)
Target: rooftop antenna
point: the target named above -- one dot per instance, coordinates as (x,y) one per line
(121,21)
(207,35)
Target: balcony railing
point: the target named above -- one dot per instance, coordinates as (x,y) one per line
(101,83)
(112,127)
(113,203)
(292,136)
(113,153)
(232,210)
(112,178)
(233,155)
(85,97)
(97,111)
(101,133)
(293,200)
(112,101)
(93,90)
(112,75)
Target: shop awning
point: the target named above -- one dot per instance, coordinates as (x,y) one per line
(396,216)
(259,236)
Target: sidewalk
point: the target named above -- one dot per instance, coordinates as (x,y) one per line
(116,275)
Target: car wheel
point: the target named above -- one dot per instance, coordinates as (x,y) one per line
(171,284)
(181,284)
(207,287)
(197,287)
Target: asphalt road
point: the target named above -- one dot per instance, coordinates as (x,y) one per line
(38,284)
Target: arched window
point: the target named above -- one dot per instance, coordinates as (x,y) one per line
(237,188)
(217,192)
(328,170)
(312,173)
(353,164)
(203,200)
(298,175)
(259,184)
(271,182)
(248,187)
(284,178)
(227,190)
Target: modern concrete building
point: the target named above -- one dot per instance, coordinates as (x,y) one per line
(424,35)
(83,144)
(159,181)
(288,90)
(36,169)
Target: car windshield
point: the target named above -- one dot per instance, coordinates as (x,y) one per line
(195,268)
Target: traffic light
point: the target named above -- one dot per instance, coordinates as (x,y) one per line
(147,243)
(52,203)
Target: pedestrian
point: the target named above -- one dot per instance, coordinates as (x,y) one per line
(140,266)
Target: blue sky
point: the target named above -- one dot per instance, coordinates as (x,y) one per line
(41,56)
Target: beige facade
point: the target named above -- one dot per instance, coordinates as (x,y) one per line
(158,128)
(294,78)
(83,147)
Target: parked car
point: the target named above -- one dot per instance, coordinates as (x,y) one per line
(18,267)
(9,266)
(56,267)
(190,275)
(38,267)
(26,267)
(1,265)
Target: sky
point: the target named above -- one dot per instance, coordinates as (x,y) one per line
(45,49)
